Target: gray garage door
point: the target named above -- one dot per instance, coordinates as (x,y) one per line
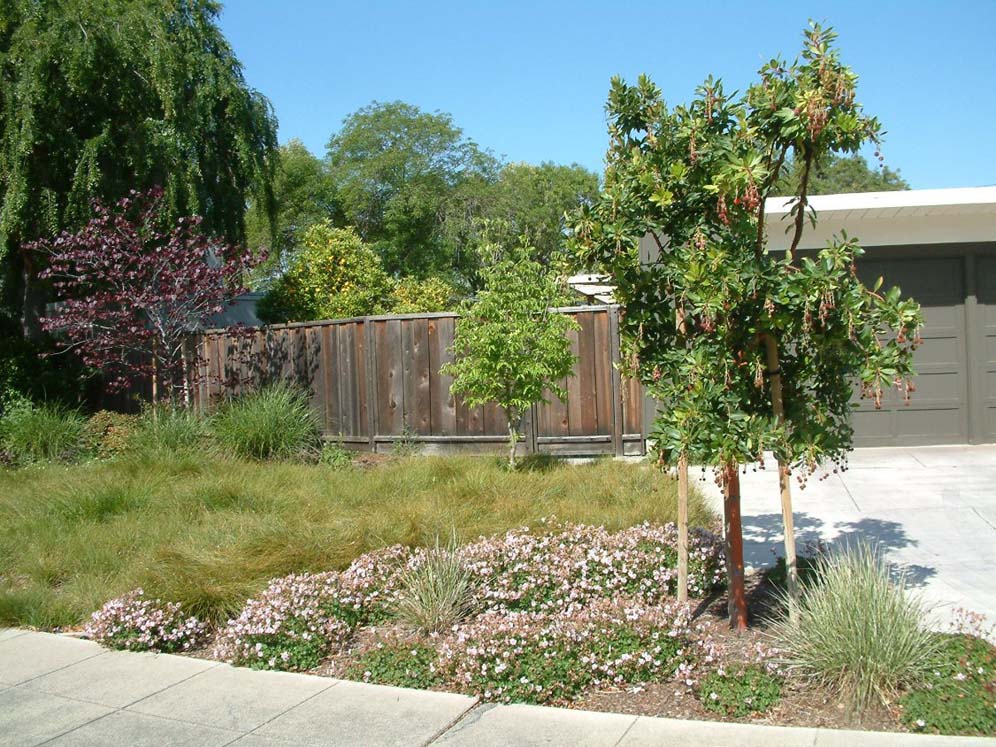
(984,349)
(955,398)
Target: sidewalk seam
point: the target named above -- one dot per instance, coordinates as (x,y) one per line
(452,724)
(101,652)
(628,729)
(296,705)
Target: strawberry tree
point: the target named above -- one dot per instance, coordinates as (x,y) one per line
(748,350)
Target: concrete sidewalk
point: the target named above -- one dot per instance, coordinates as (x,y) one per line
(932,509)
(61,690)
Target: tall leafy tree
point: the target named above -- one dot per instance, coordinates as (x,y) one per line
(839,173)
(396,167)
(102,96)
(533,200)
(303,195)
(748,350)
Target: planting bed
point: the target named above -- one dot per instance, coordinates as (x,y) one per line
(563,614)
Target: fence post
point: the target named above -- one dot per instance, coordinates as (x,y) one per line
(617,410)
(531,429)
(368,332)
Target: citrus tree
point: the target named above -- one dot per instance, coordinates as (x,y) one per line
(333,275)
(748,350)
(509,348)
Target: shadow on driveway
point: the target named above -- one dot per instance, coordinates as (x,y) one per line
(763,540)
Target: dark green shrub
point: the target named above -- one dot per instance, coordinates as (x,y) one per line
(740,692)
(42,433)
(959,696)
(273,423)
(398,664)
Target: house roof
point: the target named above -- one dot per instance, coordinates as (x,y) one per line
(915,216)
(876,219)
(911,202)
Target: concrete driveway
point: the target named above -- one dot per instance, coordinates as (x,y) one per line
(931,509)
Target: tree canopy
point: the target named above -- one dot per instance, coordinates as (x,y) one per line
(103,96)
(838,174)
(333,275)
(395,167)
(303,195)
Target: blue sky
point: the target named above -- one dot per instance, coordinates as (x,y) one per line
(528,79)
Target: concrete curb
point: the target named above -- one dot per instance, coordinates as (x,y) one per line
(61,690)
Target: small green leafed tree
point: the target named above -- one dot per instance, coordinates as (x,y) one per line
(509,347)
(747,349)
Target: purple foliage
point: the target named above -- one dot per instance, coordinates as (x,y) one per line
(132,289)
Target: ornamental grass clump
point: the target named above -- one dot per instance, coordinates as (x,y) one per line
(135,623)
(276,422)
(857,631)
(31,433)
(435,591)
(166,430)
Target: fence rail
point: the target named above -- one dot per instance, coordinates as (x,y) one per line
(376,380)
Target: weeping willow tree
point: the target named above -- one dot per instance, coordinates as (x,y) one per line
(99,97)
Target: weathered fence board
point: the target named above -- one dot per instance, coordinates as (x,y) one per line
(374,380)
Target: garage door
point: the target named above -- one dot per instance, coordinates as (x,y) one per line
(938,411)
(985,345)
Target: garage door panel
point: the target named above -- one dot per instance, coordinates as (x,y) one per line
(938,351)
(933,281)
(942,320)
(937,412)
(871,427)
(933,388)
(929,425)
(985,368)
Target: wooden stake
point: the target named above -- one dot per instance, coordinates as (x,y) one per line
(737,605)
(682,507)
(683,529)
(784,479)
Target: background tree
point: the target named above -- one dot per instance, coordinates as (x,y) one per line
(395,167)
(840,174)
(746,349)
(333,275)
(102,97)
(131,291)
(303,195)
(532,200)
(509,348)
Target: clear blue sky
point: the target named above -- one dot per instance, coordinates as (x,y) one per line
(528,79)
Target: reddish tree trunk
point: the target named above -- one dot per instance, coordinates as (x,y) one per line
(734,549)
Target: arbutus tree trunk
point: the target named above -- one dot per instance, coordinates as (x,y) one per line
(733,533)
(784,481)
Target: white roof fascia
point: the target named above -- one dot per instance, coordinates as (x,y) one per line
(920,216)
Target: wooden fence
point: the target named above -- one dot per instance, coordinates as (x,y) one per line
(376,380)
